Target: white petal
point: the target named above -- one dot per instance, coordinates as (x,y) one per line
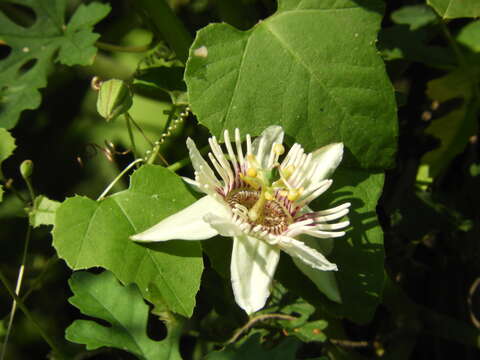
(192,184)
(187,224)
(252,268)
(262,145)
(326,160)
(308,255)
(223,225)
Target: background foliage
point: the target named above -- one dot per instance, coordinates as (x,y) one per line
(397,83)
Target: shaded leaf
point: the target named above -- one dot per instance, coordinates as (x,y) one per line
(455,128)
(359,254)
(451,9)
(399,42)
(103,297)
(252,349)
(33,50)
(89,233)
(43,212)
(312,67)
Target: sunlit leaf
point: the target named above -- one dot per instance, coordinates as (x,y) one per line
(89,233)
(451,9)
(415,16)
(7,145)
(34,48)
(43,211)
(312,67)
(103,297)
(470,36)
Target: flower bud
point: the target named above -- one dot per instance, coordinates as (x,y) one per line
(114,99)
(26,169)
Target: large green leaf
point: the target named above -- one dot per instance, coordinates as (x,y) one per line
(451,9)
(359,255)
(89,233)
(33,50)
(103,297)
(7,145)
(312,67)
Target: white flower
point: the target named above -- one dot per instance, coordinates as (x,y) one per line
(262,204)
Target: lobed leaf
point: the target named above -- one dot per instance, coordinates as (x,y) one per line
(103,297)
(89,233)
(312,67)
(34,48)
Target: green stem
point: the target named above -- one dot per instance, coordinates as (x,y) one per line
(130,49)
(112,184)
(29,316)
(169,26)
(185,161)
(18,286)
(130,134)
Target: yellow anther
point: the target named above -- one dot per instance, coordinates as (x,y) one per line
(268,196)
(278,149)
(293,195)
(288,171)
(283,193)
(252,172)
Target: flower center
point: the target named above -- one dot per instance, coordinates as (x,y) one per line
(257,210)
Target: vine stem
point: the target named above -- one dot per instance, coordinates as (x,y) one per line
(21,270)
(29,316)
(169,26)
(119,176)
(256,319)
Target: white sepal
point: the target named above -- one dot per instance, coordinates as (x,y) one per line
(252,267)
(308,255)
(326,160)
(187,224)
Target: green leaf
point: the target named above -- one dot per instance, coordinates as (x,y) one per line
(43,211)
(455,128)
(166,79)
(451,9)
(7,145)
(359,254)
(103,297)
(252,349)
(33,50)
(398,42)
(312,67)
(89,233)
(415,16)
(470,36)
